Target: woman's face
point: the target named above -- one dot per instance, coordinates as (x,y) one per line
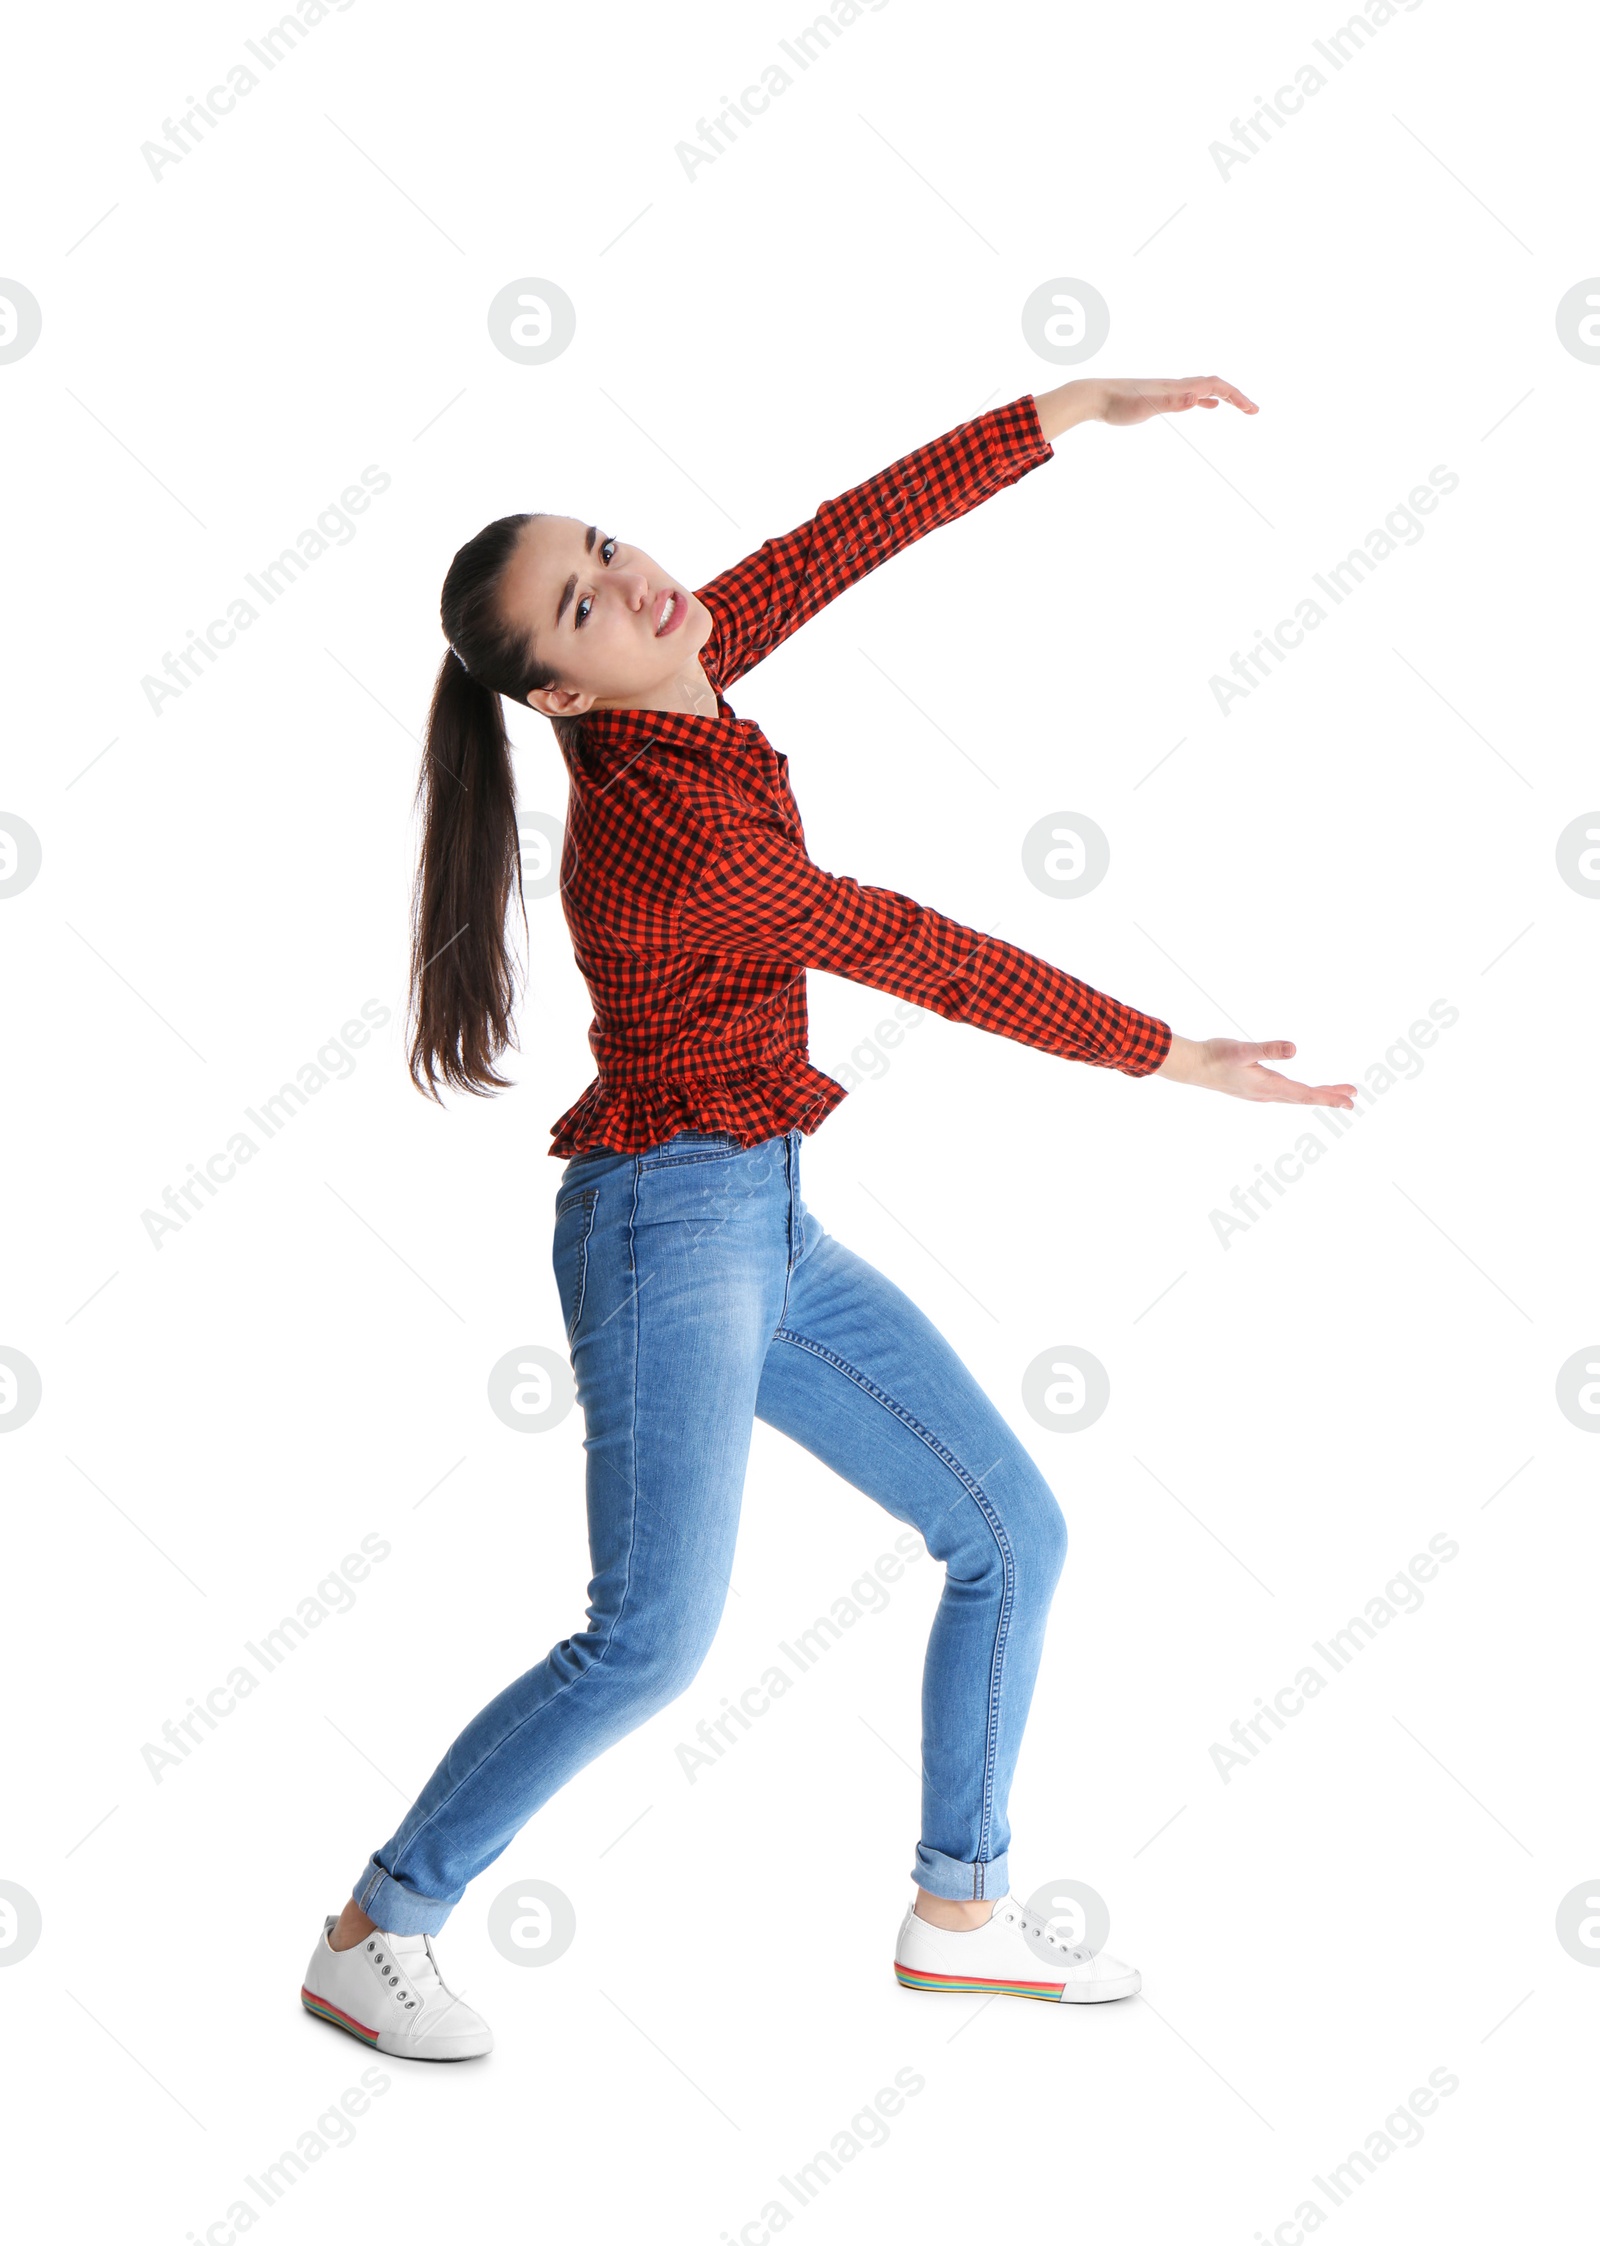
(612,624)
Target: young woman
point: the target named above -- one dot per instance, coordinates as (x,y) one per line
(697,1289)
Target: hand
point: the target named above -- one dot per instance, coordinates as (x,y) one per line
(1126,402)
(1121,403)
(1229,1064)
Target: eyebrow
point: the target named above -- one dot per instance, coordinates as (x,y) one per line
(569,587)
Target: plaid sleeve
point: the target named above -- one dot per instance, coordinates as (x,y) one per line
(765,900)
(772,592)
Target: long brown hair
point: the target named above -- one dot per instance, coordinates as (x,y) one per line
(462,983)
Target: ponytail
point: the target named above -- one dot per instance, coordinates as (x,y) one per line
(462,981)
(461,970)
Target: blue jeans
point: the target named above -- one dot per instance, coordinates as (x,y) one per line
(700,1293)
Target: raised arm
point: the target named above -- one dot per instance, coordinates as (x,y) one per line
(759,601)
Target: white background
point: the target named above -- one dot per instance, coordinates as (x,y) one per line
(1374,1363)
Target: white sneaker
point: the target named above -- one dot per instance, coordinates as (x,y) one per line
(387,1992)
(998,1959)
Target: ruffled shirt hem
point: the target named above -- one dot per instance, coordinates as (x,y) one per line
(749,1104)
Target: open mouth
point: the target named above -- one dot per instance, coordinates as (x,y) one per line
(670,611)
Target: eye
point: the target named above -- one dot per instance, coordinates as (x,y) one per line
(580,614)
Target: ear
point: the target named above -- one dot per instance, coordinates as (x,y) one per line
(560,701)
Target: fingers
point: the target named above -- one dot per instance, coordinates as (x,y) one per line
(1209,390)
(1292,1093)
(1176,393)
(1259,1083)
(1239,1067)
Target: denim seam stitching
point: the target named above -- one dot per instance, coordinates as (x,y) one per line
(699,1154)
(974,1489)
(581,1251)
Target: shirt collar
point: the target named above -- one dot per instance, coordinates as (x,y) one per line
(601,730)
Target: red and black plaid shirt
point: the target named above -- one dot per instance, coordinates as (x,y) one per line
(693,906)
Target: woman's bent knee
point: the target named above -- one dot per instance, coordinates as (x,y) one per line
(648,1668)
(1013,1527)
(1036,1529)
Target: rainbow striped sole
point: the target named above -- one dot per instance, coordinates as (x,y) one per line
(963,1984)
(326,2011)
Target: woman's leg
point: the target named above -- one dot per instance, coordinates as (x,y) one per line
(858,1375)
(671,1269)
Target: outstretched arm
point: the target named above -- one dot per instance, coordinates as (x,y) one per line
(760,896)
(757,603)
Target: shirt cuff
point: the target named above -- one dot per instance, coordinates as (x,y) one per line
(1018,430)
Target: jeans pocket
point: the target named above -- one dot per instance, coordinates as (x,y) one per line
(569,1252)
(691,1146)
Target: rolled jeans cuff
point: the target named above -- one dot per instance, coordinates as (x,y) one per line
(958,1882)
(395,1908)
